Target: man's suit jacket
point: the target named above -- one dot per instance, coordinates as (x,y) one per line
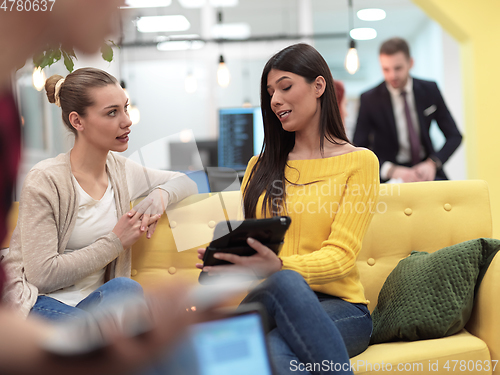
(376,126)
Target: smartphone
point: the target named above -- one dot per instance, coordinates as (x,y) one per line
(231,237)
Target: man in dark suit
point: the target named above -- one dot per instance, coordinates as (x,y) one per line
(394,120)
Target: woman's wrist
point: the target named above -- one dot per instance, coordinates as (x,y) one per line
(165,198)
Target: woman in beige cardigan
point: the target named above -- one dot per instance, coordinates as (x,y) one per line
(71,250)
(82,24)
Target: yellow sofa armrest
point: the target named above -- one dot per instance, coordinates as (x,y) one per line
(11,224)
(188,225)
(484,322)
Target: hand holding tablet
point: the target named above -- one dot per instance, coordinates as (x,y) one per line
(230,246)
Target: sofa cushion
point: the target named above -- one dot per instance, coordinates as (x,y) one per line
(423,216)
(448,355)
(431,295)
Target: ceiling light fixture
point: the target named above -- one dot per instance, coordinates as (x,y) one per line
(223,3)
(38,79)
(192,3)
(130,4)
(184,37)
(213,3)
(231,31)
(363,33)
(352,59)
(223,75)
(157,24)
(133,112)
(180,45)
(186,136)
(371,14)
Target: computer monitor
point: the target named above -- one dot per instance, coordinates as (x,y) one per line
(241,135)
(193,155)
(194,158)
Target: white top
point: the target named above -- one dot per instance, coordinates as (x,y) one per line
(398,107)
(96,218)
(48,209)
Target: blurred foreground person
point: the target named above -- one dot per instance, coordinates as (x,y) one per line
(82,24)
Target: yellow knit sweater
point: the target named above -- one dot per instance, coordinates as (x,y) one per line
(330,207)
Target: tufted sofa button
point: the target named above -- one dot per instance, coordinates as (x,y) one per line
(408,211)
(173,224)
(447,207)
(172,270)
(211,224)
(371,261)
(133,272)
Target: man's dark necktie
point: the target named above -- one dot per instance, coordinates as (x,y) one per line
(412,134)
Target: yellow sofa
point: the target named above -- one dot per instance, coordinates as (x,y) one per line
(423,216)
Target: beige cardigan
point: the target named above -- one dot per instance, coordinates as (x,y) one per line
(48,209)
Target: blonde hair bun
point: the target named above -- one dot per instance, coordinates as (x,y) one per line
(50,87)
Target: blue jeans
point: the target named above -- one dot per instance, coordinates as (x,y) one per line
(310,333)
(51,309)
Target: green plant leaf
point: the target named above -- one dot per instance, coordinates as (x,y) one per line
(114,44)
(68,61)
(71,52)
(50,56)
(37,59)
(56,55)
(48,60)
(40,56)
(107,52)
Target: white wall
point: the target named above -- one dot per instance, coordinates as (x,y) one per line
(437,58)
(155,82)
(456,167)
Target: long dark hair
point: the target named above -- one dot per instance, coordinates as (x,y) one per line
(269,171)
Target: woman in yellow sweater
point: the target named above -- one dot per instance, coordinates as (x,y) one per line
(309,171)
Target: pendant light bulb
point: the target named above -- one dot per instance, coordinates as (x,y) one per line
(39,79)
(223,76)
(352,59)
(134,114)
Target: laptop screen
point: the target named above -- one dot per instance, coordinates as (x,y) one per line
(233,344)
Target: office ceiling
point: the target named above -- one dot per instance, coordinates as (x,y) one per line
(281,17)
(268,18)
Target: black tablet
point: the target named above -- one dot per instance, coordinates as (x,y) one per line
(231,237)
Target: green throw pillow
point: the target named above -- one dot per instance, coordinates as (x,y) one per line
(431,295)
